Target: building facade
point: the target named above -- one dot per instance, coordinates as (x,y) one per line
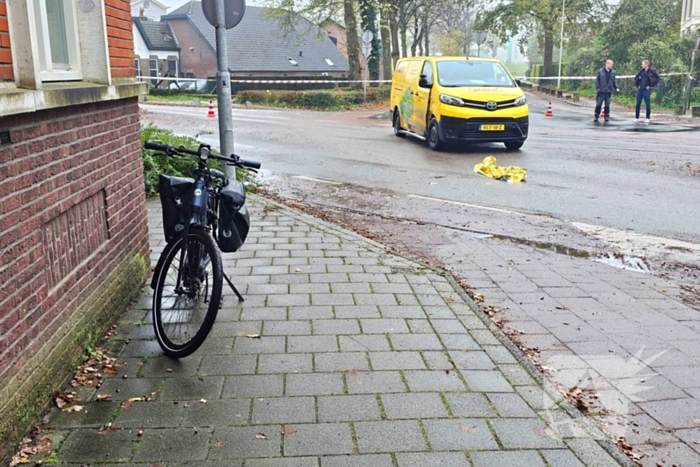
(73,231)
(690,17)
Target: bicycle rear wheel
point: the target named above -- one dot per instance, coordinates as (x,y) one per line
(184,313)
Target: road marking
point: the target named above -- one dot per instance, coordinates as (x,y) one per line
(301,177)
(487,208)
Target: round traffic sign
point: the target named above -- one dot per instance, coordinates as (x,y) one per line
(233,12)
(367,36)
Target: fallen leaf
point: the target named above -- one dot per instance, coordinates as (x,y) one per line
(253,336)
(260,436)
(102,397)
(73,408)
(219,445)
(137,399)
(126,404)
(288,431)
(203,401)
(447,372)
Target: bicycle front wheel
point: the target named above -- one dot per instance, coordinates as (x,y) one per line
(187,295)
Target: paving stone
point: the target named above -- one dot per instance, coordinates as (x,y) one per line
(437,360)
(311,312)
(122,389)
(383,326)
(366,460)
(348,408)
(305,344)
(507,459)
(484,337)
(283,462)
(314,384)
(499,354)
(524,434)
(90,446)
(448,326)
(93,414)
(375,382)
(389,436)
(357,311)
(319,439)
(149,415)
(437,459)
(171,445)
(511,406)
(260,312)
(286,328)
(253,386)
(351,287)
(472,360)
(336,326)
(406,360)
(413,405)
(284,410)
(415,342)
(560,457)
(403,311)
(242,442)
(486,381)
(459,434)
(459,342)
(376,342)
(291,300)
(228,365)
(285,363)
(264,344)
(349,361)
(438,312)
(167,367)
(215,413)
(590,453)
(420,326)
(333,299)
(187,389)
(535,397)
(677,413)
(469,405)
(434,381)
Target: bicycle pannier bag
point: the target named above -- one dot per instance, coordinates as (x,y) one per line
(234,221)
(175,197)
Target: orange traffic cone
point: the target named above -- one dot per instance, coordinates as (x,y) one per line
(211,109)
(602,113)
(549,113)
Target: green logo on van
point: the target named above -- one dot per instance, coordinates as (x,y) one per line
(406,104)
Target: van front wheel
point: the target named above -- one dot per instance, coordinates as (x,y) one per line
(514,145)
(398,131)
(434,141)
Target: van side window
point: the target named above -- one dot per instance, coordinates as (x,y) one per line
(428,72)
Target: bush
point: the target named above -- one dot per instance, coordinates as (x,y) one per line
(154,164)
(322,100)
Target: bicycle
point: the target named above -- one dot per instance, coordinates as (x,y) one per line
(201,217)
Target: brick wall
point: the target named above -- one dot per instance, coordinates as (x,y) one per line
(120,38)
(5,54)
(73,245)
(201,60)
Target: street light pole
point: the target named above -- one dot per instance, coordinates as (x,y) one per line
(561,43)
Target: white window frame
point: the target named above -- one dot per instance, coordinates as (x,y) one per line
(137,59)
(49,72)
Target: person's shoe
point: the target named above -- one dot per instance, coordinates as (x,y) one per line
(636,120)
(646,121)
(607,119)
(595,119)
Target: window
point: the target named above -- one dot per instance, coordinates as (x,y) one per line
(329,62)
(475,73)
(428,72)
(138,66)
(292,61)
(57,35)
(154,71)
(172,68)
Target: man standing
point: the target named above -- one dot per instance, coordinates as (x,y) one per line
(605,84)
(645,81)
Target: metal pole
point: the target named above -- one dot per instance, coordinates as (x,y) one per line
(223,89)
(561,43)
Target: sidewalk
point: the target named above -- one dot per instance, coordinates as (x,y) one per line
(363,359)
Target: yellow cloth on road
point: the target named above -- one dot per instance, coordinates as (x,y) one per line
(489,168)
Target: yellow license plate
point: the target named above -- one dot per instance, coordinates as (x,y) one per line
(492,127)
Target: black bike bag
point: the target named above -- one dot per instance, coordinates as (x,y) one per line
(175,198)
(234,221)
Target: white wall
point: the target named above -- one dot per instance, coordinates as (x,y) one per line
(153,12)
(141,50)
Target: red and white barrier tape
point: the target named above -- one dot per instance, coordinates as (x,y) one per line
(265,81)
(530,78)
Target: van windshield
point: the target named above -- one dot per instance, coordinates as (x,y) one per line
(459,73)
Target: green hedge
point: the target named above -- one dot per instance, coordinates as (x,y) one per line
(324,100)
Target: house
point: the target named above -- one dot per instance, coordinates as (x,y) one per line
(690,17)
(156,50)
(152,10)
(73,222)
(338,34)
(256,47)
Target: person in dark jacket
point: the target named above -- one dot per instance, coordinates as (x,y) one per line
(605,84)
(645,81)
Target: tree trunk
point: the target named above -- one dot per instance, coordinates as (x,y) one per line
(416,36)
(403,27)
(385,31)
(548,53)
(395,49)
(426,31)
(353,40)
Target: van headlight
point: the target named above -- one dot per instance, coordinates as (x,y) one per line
(445,99)
(520,101)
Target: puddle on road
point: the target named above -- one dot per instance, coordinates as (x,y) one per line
(630,263)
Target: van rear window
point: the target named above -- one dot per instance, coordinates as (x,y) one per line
(462,73)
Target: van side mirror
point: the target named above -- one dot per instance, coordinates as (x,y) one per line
(519,83)
(424,83)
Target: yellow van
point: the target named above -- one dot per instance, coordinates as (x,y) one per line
(458,99)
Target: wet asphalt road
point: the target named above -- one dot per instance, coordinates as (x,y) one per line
(620,175)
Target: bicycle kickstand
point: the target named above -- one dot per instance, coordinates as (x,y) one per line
(233,287)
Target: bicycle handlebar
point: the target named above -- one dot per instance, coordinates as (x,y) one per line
(170,150)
